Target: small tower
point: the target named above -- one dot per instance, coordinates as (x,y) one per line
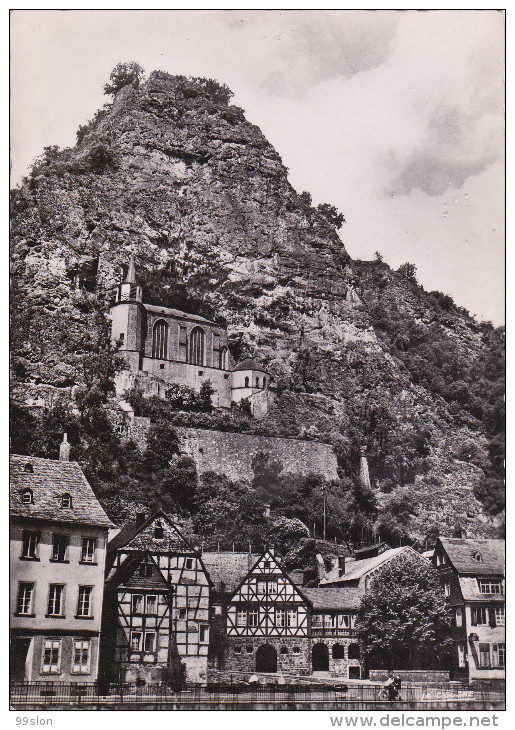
(127,318)
(250,380)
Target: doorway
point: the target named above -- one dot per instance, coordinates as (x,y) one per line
(320,658)
(18,651)
(266,659)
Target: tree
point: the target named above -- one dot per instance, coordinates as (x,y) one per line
(408,271)
(122,75)
(403,620)
(331,214)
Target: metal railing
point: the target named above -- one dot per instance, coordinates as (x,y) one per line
(239,692)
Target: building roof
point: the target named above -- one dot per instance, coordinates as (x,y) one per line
(334,598)
(167,311)
(172,540)
(357,568)
(226,569)
(249,364)
(49,480)
(470,591)
(461,552)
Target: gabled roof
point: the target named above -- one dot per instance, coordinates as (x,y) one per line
(48,480)
(461,552)
(226,569)
(249,364)
(132,536)
(358,568)
(267,555)
(334,598)
(127,575)
(167,311)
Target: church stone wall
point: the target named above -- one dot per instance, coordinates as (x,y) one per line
(232,453)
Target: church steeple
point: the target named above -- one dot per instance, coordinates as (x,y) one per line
(131,271)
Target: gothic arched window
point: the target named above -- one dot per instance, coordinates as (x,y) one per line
(160,340)
(197,346)
(247,382)
(223,358)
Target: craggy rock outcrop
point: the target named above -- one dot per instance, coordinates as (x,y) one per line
(180,178)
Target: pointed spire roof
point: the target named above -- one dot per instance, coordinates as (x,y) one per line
(131,271)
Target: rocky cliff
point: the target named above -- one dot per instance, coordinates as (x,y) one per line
(175,174)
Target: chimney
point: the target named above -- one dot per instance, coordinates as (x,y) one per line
(64,449)
(140,518)
(364,476)
(320,567)
(341,565)
(266,513)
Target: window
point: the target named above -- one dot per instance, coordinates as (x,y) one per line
(253,617)
(89,550)
(84,602)
(183,343)
(60,548)
(150,641)
(241,618)
(500,617)
(261,586)
(484,656)
(257,382)
(266,565)
(291,617)
(222,363)
(136,638)
(160,340)
(25,599)
(145,567)
(461,654)
(66,501)
(477,557)
(272,587)
(296,650)
(447,588)
(479,616)
(27,497)
(51,658)
(459,616)
(283,651)
(499,655)
(237,649)
(30,545)
(204,633)
(189,564)
(28,468)
(182,613)
(197,346)
(137,604)
(280,617)
(338,651)
(247,382)
(249,649)
(158,531)
(80,662)
(122,338)
(490,586)
(151,605)
(55,600)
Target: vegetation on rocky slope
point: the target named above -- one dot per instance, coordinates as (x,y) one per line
(361,356)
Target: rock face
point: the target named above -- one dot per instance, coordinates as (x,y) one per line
(180,178)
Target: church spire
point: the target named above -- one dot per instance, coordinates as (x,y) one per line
(131,271)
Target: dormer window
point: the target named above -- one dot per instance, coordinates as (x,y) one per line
(158,531)
(28,468)
(477,557)
(27,497)
(66,501)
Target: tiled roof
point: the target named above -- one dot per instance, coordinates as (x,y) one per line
(356,569)
(180,315)
(334,598)
(249,364)
(470,591)
(49,480)
(227,570)
(143,531)
(461,553)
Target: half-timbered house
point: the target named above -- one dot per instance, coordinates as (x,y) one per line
(268,622)
(156,606)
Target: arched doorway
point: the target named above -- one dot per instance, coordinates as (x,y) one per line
(266,659)
(320,658)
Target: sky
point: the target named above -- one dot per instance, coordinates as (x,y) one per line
(395,117)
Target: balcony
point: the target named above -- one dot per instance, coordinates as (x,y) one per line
(329,631)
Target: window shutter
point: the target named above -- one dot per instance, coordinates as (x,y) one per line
(492,617)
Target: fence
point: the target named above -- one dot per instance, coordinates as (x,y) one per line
(241,695)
